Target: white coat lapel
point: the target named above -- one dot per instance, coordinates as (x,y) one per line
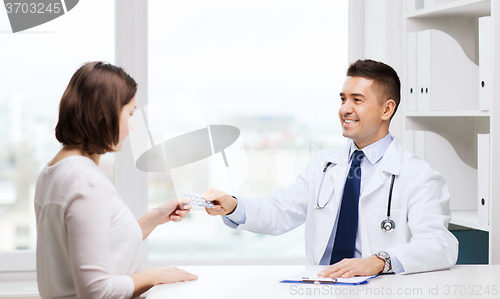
(390,164)
(334,183)
(338,175)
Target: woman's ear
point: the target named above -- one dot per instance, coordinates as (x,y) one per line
(389,107)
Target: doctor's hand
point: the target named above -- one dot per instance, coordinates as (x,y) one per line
(347,268)
(224,203)
(174,209)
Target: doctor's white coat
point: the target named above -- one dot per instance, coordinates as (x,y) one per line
(420,209)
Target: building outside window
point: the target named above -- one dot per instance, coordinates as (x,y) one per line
(273,69)
(36,66)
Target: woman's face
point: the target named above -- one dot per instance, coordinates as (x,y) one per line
(126,123)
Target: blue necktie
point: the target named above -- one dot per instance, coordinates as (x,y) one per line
(347,226)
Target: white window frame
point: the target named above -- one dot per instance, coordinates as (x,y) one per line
(131,53)
(17,261)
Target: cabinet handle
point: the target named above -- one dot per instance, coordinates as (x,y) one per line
(482,83)
(411,90)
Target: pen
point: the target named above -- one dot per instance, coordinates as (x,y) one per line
(317,281)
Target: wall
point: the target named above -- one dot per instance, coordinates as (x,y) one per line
(376,32)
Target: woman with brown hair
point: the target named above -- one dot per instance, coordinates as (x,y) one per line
(89,243)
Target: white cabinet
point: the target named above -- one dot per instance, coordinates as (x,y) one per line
(446,77)
(483,179)
(485,82)
(423,70)
(450,129)
(452,60)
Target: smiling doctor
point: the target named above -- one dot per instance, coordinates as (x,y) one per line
(369,207)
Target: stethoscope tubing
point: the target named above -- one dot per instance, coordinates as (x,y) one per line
(390,197)
(321,185)
(389,200)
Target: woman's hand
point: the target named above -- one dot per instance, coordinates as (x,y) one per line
(172,274)
(145,279)
(174,209)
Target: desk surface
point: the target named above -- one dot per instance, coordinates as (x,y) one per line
(218,282)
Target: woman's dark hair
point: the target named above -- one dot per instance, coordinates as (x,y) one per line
(89,111)
(385,79)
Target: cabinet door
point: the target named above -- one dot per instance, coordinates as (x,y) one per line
(423,70)
(483,178)
(411,90)
(485,83)
(453,75)
(446,77)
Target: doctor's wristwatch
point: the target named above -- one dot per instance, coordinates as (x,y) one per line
(387,260)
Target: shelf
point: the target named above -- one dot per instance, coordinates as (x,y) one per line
(434,113)
(462,8)
(467,219)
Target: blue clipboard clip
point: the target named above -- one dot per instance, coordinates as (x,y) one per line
(324,280)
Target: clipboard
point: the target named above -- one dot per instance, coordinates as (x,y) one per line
(310,276)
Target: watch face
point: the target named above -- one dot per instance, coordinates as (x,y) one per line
(383,254)
(387,259)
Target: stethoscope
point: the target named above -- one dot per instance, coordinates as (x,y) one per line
(386,225)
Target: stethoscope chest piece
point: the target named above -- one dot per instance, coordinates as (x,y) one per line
(387,225)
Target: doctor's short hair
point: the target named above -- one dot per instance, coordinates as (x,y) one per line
(386,81)
(89,111)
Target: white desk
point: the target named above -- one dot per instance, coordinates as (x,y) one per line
(253,282)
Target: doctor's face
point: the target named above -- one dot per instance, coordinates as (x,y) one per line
(362,116)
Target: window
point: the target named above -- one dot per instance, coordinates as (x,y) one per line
(273,69)
(36,66)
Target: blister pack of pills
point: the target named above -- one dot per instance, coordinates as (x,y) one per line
(199,200)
